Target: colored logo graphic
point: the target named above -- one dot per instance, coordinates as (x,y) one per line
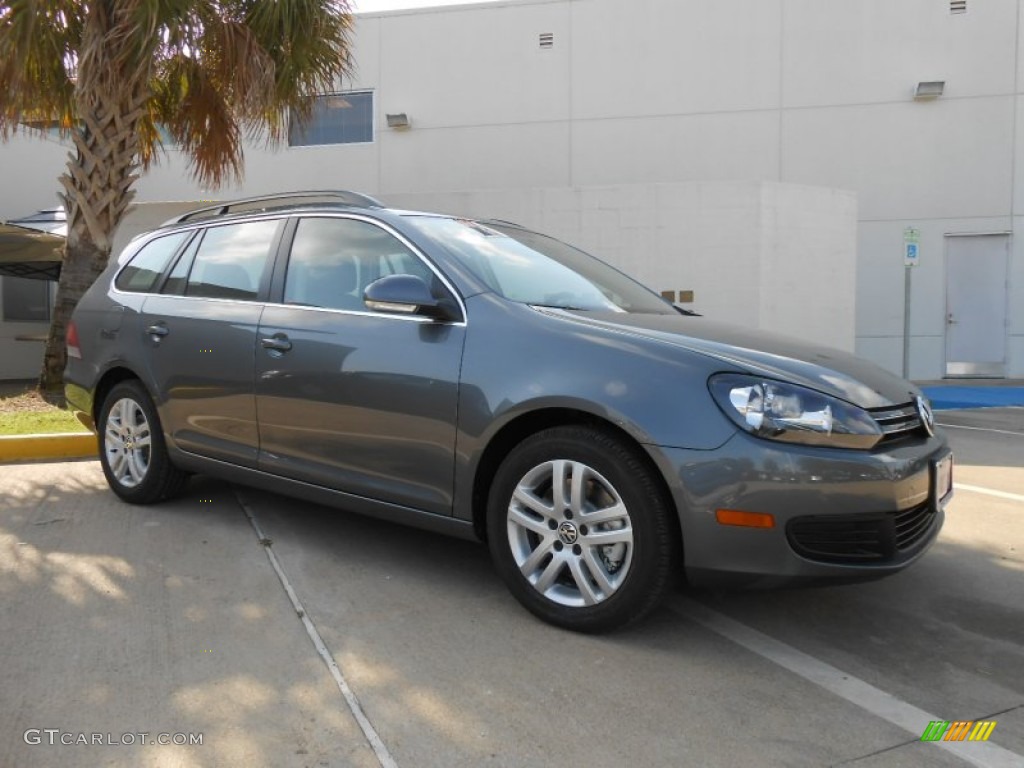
(958,730)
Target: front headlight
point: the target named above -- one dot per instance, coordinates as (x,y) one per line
(779,411)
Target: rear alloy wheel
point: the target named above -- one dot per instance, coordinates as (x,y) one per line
(579,530)
(132,449)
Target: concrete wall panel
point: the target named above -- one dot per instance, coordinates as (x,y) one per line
(473,66)
(740,146)
(651,57)
(869,51)
(944,159)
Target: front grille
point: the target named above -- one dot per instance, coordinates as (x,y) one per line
(853,539)
(897,422)
(839,540)
(912,525)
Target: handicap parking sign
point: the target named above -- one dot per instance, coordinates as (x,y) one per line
(910,258)
(911,250)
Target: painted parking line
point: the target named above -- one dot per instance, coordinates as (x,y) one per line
(981,429)
(989,492)
(846,686)
(376,743)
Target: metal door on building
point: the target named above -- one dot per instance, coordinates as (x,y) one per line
(976,274)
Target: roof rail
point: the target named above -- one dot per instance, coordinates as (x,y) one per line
(220,209)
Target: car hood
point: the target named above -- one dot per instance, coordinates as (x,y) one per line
(766,354)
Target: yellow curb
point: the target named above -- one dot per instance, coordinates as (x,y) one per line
(67,445)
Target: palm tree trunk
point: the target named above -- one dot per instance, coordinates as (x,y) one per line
(111,103)
(98,191)
(78,272)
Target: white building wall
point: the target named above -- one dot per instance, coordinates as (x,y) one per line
(804,92)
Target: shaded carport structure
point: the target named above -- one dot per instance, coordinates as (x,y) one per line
(32,246)
(26,252)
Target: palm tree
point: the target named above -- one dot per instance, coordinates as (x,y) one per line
(113,74)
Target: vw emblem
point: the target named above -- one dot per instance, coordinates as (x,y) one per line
(567,533)
(927,417)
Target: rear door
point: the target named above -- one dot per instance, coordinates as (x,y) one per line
(348,398)
(201,337)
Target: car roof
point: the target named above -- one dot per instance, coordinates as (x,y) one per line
(279,201)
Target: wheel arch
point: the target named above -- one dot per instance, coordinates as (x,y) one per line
(110,379)
(523,426)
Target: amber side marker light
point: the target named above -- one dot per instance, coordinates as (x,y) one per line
(745,519)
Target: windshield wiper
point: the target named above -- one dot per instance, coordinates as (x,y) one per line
(561,306)
(685,311)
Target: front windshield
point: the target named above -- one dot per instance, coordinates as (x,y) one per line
(535,269)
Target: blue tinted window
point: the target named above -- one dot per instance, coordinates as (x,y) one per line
(340,118)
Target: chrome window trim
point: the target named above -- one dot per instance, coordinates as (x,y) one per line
(143,240)
(125,258)
(206,224)
(369,313)
(265,304)
(247,302)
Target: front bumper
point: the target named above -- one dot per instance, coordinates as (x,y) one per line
(840,515)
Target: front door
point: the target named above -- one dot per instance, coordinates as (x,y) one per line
(351,399)
(976,305)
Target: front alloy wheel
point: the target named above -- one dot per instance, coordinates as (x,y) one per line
(570,533)
(580,530)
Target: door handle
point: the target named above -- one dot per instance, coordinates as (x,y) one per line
(277,343)
(950,320)
(158,329)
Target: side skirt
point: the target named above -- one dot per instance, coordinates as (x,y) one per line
(393,513)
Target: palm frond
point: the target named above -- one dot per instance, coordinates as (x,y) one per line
(38,57)
(309,44)
(215,70)
(200,119)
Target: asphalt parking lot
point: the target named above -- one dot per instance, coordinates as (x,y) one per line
(172,620)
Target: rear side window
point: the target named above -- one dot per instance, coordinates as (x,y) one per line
(231,260)
(147,265)
(333,260)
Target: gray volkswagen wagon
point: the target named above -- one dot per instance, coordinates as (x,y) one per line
(479,379)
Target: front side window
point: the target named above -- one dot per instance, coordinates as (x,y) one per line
(339,118)
(141,273)
(231,260)
(332,262)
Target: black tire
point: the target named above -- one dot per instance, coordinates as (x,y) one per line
(139,474)
(610,585)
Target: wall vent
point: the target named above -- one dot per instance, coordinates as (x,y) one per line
(547,39)
(957,6)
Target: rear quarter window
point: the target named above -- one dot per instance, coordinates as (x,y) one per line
(146,266)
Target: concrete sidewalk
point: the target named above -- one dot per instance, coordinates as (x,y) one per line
(129,620)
